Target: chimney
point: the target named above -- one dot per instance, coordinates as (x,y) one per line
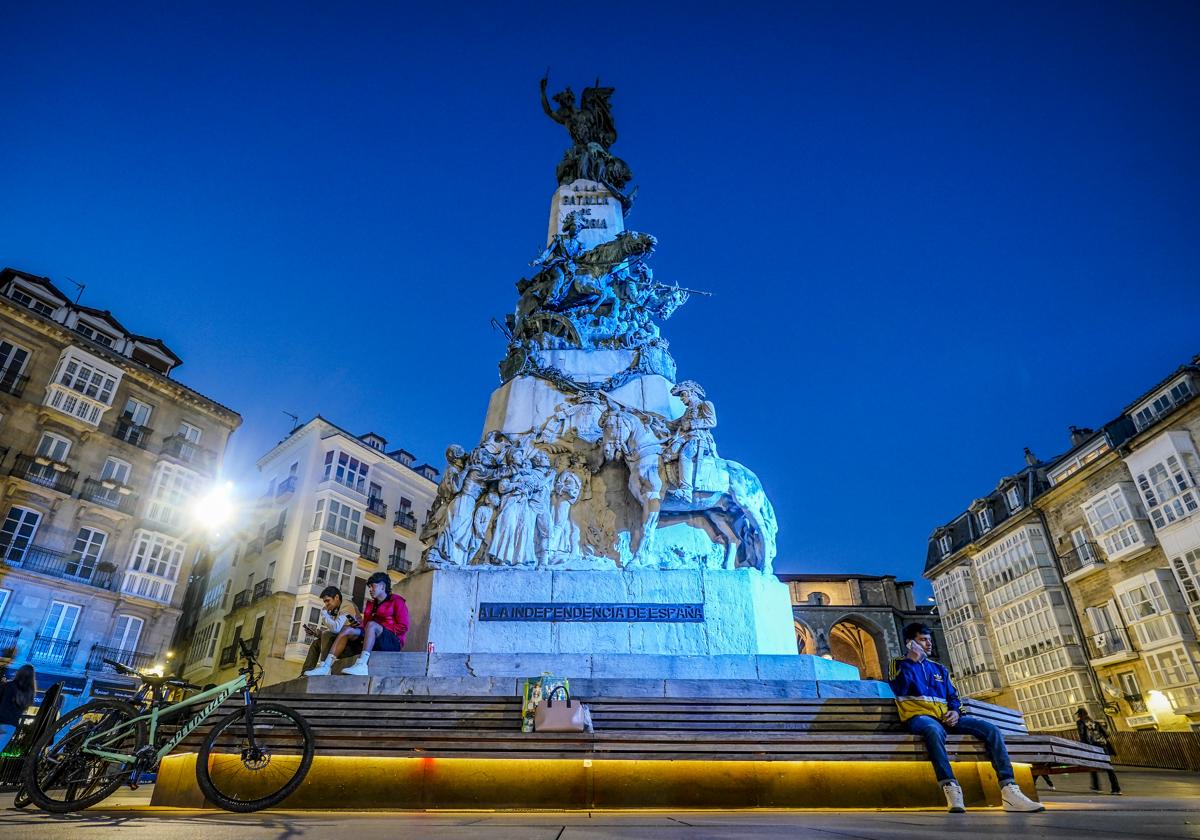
(1030,458)
(1078,435)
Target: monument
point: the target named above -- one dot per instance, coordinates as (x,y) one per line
(595,516)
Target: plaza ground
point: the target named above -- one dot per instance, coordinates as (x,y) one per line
(1156,804)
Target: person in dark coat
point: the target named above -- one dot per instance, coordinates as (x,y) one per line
(1093,732)
(16,695)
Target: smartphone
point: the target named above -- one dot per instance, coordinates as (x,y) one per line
(917,649)
(352,621)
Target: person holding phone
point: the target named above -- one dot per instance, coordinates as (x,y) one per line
(929,707)
(384,624)
(335,617)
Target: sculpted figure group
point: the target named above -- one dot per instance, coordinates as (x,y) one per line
(527,500)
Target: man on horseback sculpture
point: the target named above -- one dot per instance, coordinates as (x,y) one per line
(691,451)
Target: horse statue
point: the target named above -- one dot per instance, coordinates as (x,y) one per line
(737,510)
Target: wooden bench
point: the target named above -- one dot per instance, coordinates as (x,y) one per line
(419,751)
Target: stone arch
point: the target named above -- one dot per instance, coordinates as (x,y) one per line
(858,641)
(806,637)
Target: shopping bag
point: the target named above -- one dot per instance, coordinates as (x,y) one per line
(536,690)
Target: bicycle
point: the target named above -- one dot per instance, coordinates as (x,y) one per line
(252,758)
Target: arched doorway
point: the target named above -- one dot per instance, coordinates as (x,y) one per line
(855,641)
(806,640)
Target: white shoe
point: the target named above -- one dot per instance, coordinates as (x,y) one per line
(1014,800)
(954,798)
(321,670)
(358,669)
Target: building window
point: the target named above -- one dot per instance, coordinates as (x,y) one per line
(337,518)
(1111,517)
(137,412)
(189,432)
(95,335)
(945,543)
(1162,404)
(86,553)
(985,519)
(87,380)
(1012,496)
(345,470)
(31,302)
(115,470)
(818,599)
(172,489)
(1168,489)
(330,570)
(126,633)
(12,360)
(60,621)
(53,447)
(298,621)
(154,566)
(5,594)
(20,526)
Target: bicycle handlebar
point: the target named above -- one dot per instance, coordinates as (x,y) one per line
(120,667)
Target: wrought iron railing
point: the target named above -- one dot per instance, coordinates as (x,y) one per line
(59,564)
(132,433)
(274,534)
(377,507)
(254,547)
(48,650)
(12,381)
(398,563)
(406,519)
(54,475)
(137,659)
(177,446)
(288,485)
(1080,557)
(100,492)
(1109,643)
(241,599)
(1137,704)
(8,639)
(368,552)
(262,589)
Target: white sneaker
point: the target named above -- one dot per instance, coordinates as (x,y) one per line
(358,669)
(321,670)
(1014,800)
(954,798)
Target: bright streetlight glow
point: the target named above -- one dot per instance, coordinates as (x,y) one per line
(215,508)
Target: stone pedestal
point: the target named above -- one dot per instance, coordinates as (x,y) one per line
(744,612)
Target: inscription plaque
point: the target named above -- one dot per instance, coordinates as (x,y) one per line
(675,613)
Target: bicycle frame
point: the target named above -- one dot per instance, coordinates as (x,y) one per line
(218,695)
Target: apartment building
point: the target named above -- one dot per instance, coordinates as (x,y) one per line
(101,454)
(336,508)
(1111,524)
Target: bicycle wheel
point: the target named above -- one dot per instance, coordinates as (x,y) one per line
(244,775)
(59,777)
(21,799)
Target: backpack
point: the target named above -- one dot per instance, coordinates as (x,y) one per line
(1096,734)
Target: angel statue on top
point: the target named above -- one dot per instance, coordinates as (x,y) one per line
(592,131)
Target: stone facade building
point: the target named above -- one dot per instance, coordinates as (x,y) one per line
(857,619)
(336,508)
(1077,582)
(101,454)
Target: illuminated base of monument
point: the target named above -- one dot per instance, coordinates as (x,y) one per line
(360,782)
(674,612)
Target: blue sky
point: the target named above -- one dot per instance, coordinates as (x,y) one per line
(935,233)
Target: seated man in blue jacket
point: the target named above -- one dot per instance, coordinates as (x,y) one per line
(929,707)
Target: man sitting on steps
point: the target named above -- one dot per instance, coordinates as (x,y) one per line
(384,625)
(929,707)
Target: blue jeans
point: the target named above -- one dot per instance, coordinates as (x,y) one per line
(934,732)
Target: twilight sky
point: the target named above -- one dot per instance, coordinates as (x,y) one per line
(935,233)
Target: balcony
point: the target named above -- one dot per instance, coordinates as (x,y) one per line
(1130,539)
(286,487)
(262,589)
(12,382)
(1080,560)
(242,599)
(57,653)
(1137,704)
(59,564)
(274,534)
(406,519)
(1110,646)
(982,684)
(377,507)
(54,475)
(192,454)
(398,563)
(254,547)
(110,494)
(130,432)
(229,655)
(136,659)
(8,641)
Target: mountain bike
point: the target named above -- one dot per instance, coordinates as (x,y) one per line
(252,758)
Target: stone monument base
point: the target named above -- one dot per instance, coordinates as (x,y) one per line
(672,613)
